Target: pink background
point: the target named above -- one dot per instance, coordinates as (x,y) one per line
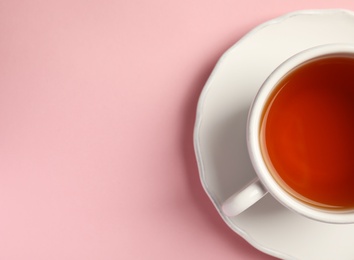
(97,109)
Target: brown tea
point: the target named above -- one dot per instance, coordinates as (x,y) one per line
(307,132)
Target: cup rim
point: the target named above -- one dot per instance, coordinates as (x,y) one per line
(253,126)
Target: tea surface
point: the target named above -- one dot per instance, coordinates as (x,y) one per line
(307,132)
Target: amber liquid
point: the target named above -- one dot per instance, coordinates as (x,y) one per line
(307,133)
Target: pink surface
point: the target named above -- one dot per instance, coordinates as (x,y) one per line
(97,109)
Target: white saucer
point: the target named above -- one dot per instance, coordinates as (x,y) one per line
(220,140)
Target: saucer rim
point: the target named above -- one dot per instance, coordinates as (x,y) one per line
(199,119)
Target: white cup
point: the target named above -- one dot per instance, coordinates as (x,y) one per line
(265,182)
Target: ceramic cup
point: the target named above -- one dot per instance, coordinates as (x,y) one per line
(264,182)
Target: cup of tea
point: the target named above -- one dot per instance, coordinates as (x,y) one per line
(300,137)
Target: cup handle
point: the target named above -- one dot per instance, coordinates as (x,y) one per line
(245,198)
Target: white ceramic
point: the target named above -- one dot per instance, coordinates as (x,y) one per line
(253,192)
(220,135)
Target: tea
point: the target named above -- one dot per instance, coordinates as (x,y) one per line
(307,132)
